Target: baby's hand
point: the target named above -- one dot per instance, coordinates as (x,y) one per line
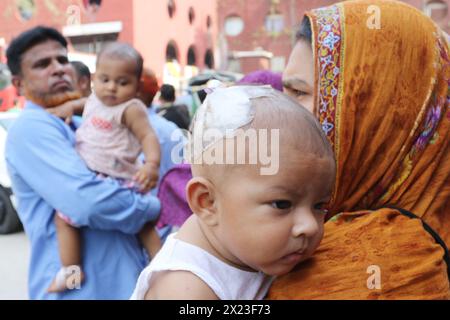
(67,109)
(147,177)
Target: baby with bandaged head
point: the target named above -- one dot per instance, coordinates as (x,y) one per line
(263,173)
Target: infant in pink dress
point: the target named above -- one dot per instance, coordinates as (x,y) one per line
(114,132)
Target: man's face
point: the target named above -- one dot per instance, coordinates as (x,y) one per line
(47,75)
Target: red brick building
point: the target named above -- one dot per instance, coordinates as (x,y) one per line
(238,35)
(259,34)
(162,30)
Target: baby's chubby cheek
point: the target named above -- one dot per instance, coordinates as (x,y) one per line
(315,240)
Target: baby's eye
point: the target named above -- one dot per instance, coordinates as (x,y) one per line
(281,204)
(321,207)
(123,83)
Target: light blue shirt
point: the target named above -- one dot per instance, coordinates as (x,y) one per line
(47,174)
(171,141)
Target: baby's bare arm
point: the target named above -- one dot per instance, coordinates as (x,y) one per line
(68,109)
(136,120)
(179,285)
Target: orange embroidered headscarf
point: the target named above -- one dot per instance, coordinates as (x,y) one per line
(382,74)
(383,101)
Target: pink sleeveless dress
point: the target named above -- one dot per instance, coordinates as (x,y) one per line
(104,143)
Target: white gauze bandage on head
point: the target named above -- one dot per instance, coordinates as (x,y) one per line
(223,112)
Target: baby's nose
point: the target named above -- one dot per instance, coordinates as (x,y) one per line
(111,86)
(305,224)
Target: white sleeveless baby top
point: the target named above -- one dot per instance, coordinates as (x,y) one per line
(227,282)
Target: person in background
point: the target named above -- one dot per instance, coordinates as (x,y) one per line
(170,137)
(388,122)
(110,139)
(82,78)
(178,114)
(47,174)
(263,77)
(171,141)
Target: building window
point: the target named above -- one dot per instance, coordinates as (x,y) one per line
(208,22)
(209,59)
(171,8)
(171,51)
(274,23)
(191,56)
(92,7)
(191,15)
(92,3)
(436,9)
(234,25)
(91,38)
(26,9)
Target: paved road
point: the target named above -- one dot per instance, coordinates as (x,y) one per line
(14,256)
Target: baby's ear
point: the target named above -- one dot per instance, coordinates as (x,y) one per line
(201,198)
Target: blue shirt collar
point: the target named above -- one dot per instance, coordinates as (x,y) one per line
(32,106)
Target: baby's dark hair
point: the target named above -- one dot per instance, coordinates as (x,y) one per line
(305,32)
(28,39)
(123,51)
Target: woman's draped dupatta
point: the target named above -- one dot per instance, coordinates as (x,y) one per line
(382,77)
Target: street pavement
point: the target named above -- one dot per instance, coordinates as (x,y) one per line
(14,257)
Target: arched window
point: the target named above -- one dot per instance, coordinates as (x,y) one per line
(209,59)
(26,9)
(92,7)
(172,51)
(171,8)
(274,23)
(191,56)
(88,3)
(191,15)
(234,25)
(436,9)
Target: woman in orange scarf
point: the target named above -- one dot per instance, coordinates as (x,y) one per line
(377,75)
